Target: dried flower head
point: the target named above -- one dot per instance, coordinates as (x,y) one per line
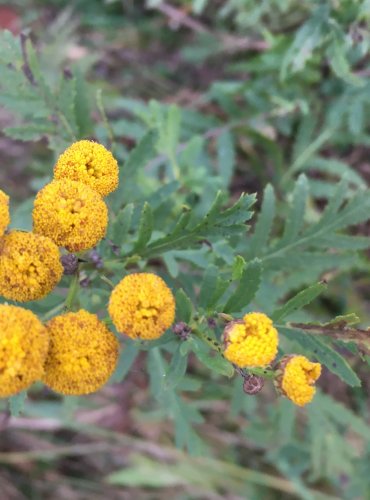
(251,342)
(30,266)
(4,212)
(71,214)
(83,353)
(90,163)
(142,306)
(23,347)
(296,378)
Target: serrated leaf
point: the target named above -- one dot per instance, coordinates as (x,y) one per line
(246,289)
(184,307)
(298,301)
(145,228)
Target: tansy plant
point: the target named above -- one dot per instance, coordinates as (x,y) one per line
(76,346)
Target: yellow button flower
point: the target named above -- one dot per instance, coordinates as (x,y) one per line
(4,212)
(297,377)
(23,346)
(142,306)
(90,163)
(251,342)
(30,266)
(71,214)
(83,353)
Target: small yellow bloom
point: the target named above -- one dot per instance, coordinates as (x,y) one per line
(30,266)
(83,353)
(71,214)
(142,306)
(251,342)
(4,212)
(298,377)
(23,346)
(90,163)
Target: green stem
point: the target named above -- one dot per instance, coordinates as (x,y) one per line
(216,346)
(72,292)
(106,280)
(53,311)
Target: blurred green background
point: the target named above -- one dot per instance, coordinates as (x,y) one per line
(242,93)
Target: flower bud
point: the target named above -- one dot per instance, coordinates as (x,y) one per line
(69,263)
(253,384)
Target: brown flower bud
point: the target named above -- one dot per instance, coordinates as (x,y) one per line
(253,384)
(69,263)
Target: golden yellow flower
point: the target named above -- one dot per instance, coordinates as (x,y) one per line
(83,353)
(23,346)
(71,214)
(297,377)
(251,342)
(30,266)
(90,163)
(4,212)
(142,306)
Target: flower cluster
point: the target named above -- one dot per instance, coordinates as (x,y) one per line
(23,348)
(83,353)
(30,266)
(252,341)
(75,353)
(70,213)
(90,163)
(142,306)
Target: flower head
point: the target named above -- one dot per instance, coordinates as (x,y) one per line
(252,341)
(296,378)
(71,214)
(83,353)
(4,212)
(30,266)
(142,306)
(90,163)
(23,347)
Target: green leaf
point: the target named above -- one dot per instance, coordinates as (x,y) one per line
(215,362)
(246,289)
(320,349)
(238,267)
(145,228)
(208,285)
(126,360)
(295,218)
(121,224)
(16,403)
(263,227)
(184,306)
(225,157)
(340,65)
(298,301)
(177,369)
